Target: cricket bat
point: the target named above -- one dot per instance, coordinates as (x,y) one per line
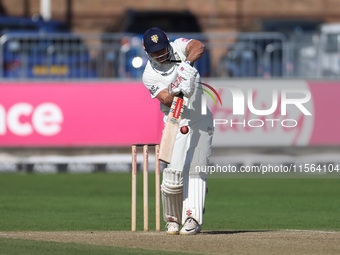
(171,128)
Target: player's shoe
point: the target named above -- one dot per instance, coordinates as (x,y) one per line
(190,227)
(172,228)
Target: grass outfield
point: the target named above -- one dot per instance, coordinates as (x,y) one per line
(29,247)
(101,201)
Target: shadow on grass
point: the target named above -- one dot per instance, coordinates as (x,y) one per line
(231,232)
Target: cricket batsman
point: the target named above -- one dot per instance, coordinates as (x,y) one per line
(170,71)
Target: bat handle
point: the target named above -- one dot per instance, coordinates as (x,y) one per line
(180,95)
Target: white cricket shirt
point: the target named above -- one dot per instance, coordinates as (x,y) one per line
(156,80)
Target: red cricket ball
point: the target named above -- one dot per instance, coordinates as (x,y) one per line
(184,130)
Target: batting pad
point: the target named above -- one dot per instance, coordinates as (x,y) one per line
(172,195)
(194,191)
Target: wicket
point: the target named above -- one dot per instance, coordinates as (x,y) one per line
(145,186)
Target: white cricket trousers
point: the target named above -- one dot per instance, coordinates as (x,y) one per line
(183,186)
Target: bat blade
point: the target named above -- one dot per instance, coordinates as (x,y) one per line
(170,130)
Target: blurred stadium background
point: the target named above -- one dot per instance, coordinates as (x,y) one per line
(71,97)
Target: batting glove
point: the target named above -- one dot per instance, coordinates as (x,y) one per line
(186,71)
(188,87)
(188,75)
(176,90)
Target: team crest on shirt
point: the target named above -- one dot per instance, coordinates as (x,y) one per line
(154,38)
(177,56)
(153,89)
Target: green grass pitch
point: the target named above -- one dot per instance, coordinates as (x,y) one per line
(101,201)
